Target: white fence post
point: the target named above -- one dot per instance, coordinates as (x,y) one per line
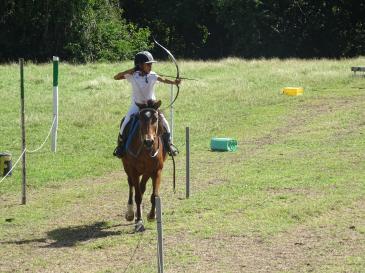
(22,117)
(55,104)
(172,113)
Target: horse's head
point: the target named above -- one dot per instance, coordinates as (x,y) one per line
(148,122)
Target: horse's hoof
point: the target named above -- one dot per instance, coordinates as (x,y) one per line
(139,227)
(151,218)
(129,215)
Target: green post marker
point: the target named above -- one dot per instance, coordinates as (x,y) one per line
(55,104)
(24,183)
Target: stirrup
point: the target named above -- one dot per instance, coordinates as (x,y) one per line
(173,150)
(119,150)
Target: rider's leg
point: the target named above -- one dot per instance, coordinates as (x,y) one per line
(119,150)
(170,147)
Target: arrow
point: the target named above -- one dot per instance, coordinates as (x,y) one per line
(183,78)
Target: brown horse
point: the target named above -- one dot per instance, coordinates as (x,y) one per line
(144,159)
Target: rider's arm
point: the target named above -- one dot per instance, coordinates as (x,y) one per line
(177,81)
(121,75)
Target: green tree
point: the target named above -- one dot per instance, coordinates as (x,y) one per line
(75,30)
(180,25)
(98,32)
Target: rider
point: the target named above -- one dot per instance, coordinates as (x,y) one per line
(143,80)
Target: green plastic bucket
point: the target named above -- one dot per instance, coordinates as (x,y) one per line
(5,164)
(223,144)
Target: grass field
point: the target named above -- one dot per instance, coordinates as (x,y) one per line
(291,199)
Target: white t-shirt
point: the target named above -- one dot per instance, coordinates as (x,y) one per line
(142,86)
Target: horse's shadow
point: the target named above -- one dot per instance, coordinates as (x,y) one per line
(71,236)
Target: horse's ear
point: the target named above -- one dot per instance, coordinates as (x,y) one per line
(157,104)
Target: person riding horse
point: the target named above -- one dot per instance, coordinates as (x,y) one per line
(144,159)
(143,80)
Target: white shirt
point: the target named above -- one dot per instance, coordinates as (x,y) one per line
(142,86)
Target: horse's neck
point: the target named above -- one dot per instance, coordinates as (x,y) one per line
(137,139)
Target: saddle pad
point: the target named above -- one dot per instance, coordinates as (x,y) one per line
(131,130)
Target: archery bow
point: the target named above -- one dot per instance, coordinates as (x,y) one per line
(183,78)
(177,70)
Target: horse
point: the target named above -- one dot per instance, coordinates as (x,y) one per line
(144,159)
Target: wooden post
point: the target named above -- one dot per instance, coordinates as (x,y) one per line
(187,162)
(24,182)
(159,235)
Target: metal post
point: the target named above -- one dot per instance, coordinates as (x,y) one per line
(159,235)
(24,182)
(55,104)
(187,162)
(172,113)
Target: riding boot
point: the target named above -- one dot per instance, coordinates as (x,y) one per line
(119,150)
(170,148)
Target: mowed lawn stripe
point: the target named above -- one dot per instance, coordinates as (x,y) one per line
(299,163)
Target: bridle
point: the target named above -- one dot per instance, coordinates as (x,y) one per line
(154,111)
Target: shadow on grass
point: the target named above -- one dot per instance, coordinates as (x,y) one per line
(70,236)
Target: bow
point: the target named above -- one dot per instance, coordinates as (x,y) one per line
(183,78)
(177,69)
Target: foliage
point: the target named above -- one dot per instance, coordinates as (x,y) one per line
(76,30)
(182,25)
(254,28)
(91,30)
(100,34)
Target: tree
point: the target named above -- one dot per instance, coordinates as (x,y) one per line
(75,30)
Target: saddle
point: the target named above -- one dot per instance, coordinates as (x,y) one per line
(129,130)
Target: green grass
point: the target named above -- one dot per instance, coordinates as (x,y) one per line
(298,174)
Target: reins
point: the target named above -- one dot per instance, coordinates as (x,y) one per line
(135,155)
(158,138)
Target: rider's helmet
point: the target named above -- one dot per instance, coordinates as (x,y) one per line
(143,57)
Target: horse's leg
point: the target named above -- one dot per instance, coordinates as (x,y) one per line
(129,215)
(138,199)
(156,180)
(143,183)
